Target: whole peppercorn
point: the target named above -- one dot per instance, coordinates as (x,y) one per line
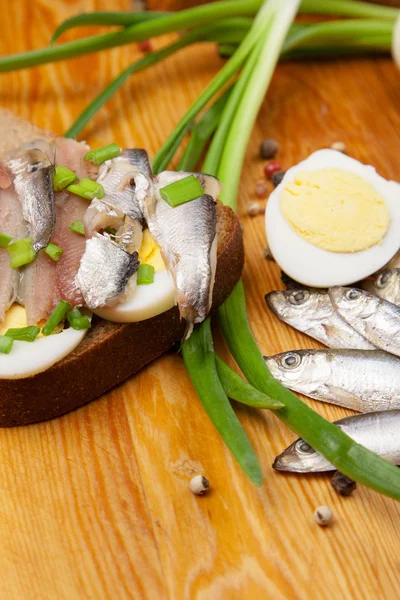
(199,485)
(260,189)
(271,168)
(144,46)
(323,516)
(339,146)
(254,208)
(269,148)
(277,177)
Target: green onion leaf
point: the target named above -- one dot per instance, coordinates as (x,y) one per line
(62,178)
(181,191)
(78,227)
(102,154)
(77,320)
(21,253)
(4,240)
(87,188)
(24,334)
(145,274)
(5,344)
(54,251)
(56,316)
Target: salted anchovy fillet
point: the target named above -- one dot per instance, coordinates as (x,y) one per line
(187,237)
(363,380)
(5,180)
(38,288)
(130,235)
(374,318)
(377,431)
(386,285)
(104,271)
(100,215)
(139,159)
(11,223)
(125,186)
(311,311)
(33,174)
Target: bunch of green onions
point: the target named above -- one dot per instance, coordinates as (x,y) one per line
(255,34)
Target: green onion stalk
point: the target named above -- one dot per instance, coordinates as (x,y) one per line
(350,458)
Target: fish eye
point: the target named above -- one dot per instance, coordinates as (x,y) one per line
(132,183)
(291,360)
(298,297)
(352,294)
(382,279)
(303,448)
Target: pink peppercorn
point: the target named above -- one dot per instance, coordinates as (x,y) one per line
(144,46)
(271,168)
(260,189)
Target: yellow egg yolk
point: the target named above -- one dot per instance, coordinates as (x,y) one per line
(335,210)
(15,318)
(150,253)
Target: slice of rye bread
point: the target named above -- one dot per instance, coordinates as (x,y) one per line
(112,352)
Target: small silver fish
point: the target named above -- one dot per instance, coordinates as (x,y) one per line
(363,380)
(33,180)
(311,312)
(187,235)
(104,271)
(386,285)
(374,318)
(377,431)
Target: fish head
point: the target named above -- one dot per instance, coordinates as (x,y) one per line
(294,305)
(301,370)
(353,303)
(386,285)
(300,457)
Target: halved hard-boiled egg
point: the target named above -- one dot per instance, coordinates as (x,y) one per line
(28,358)
(142,302)
(332,220)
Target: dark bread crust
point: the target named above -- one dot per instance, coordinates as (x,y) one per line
(111,352)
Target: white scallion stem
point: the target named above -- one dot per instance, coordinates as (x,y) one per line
(269,45)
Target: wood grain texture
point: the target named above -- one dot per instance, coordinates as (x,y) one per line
(96,504)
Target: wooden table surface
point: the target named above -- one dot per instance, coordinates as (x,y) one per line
(96,504)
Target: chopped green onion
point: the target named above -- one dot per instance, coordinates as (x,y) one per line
(145,274)
(53,251)
(102,154)
(55,317)
(87,189)
(21,253)
(5,344)
(4,240)
(77,320)
(78,227)
(24,334)
(62,178)
(182,191)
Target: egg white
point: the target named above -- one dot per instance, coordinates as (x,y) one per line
(142,301)
(29,358)
(315,266)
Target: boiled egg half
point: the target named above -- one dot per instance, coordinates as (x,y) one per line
(28,358)
(333,220)
(142,302)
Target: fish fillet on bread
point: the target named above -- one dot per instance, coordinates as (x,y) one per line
(110,352)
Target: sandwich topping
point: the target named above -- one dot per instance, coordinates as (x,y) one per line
(86,231)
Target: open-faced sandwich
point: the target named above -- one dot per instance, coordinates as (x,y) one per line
(103,266)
